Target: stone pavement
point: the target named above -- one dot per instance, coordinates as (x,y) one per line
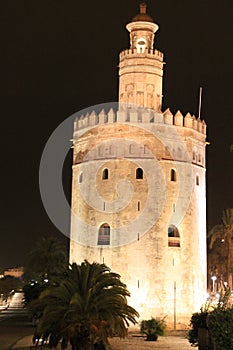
(130,343)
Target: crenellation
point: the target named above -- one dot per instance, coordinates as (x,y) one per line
(83,121)
(179,118)
(168,117)
(147,53)
(111,116)
(188,121)
(146,117)
(133,116)
(204,127)
(194,122)
(140,115)
(93,119)
(199,125)
(158,118)
(102,117)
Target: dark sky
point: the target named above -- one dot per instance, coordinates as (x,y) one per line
(58,57)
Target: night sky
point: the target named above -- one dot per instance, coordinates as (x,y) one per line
(58,57)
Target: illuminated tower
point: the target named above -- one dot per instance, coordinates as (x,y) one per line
(138,191)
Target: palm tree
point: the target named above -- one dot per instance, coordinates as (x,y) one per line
(88,306)
(47,263)
(224,233)
(47,260)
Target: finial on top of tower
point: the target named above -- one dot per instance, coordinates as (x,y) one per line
(143,7)
(143,16)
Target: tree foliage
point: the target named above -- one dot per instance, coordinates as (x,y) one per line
(47,260)
(223,233)
(87,306)
(47,263)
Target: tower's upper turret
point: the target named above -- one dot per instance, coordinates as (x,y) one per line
(141,67)
(142,29)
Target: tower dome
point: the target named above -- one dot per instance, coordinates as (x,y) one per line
(143,16)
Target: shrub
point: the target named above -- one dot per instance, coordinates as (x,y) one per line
(218,320)
(220,324)
(198,320)
(153,328)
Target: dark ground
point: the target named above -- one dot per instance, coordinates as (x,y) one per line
(14,328)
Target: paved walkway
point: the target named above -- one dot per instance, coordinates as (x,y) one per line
(131,343)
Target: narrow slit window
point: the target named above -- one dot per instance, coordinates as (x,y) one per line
(105,174)
(139,205)
(173,175)
(197,180)
(80,179)
(139,173)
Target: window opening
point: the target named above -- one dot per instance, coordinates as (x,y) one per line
(80,179)
(173,236)
(139,173)
(105,174)
(104,235)
(173,175)
(174,207)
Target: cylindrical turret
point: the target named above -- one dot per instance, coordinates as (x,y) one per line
(141,67)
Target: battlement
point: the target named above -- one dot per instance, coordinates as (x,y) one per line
(140,115)
(148,53)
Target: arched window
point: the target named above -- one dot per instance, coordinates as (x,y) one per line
(173,175)
(105,174)
(173,236)
(80,178)
(139,173)
(104,235)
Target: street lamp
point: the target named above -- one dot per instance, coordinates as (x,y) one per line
(213,279)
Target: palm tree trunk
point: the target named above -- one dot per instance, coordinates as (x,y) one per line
(80,344)
(229,279)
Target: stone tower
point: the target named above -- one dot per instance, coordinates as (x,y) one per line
(138,190)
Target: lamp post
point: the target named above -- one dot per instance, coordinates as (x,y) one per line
(213,279)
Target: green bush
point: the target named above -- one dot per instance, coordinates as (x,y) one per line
(218,320)
(220,324)
(198,320)
(153,328)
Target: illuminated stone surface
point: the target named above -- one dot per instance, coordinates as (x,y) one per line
(139,190)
